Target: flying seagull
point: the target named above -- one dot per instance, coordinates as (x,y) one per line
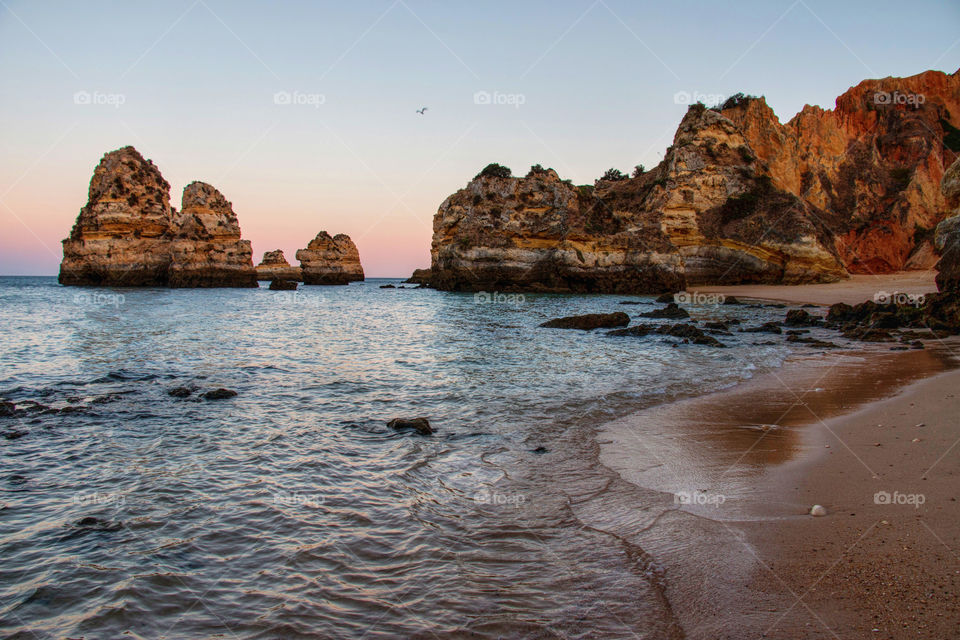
(422,111)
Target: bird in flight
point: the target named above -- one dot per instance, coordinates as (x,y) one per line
(422,111)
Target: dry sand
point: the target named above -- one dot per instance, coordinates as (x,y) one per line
(853,290)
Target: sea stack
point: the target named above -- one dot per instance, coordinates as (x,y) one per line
(206,250)
(128,235)
(121,236)
(329,260)
(274,266)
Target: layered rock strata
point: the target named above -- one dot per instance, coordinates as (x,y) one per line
(274,266)
(330,260)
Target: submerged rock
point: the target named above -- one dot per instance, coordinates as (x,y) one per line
(420,425)
(180,392)
(589,321)
(283,285)
(219,394)
(670,311)
(330,260)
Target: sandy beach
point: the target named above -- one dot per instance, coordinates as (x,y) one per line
(870,435)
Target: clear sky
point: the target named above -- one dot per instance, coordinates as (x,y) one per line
(578,85)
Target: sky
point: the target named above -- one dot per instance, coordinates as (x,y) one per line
(304,114)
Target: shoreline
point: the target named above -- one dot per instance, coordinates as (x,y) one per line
(853,290)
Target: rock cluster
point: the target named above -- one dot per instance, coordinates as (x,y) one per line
(274,266)
(330,260)
(128,234)
(738,198)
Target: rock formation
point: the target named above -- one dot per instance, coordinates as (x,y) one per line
(948,233)
(274,266)
(206,249)
(738,198)
(121,237)
(329,260)
(128,235)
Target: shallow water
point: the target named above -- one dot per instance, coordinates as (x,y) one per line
(291,510)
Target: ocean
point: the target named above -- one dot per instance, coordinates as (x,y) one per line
(291,510)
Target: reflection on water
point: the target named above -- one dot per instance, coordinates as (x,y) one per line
(291,510)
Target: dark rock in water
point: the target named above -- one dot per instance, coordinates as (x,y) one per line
(180,392)
(717,326)
(7,409)
(797,332)
(775,305)
(219,394)
(630,302)
(731,300)
(800,318)
(766,327)
(639,331)
(916,344)
(589,321)
(283,285)
(812,342)
(387,286)
(666,297)
(899,348)
(868,334)
(91,523)
(808,306)
(539,450)
(13,434)
(691,333)
(671,311)
(420,425)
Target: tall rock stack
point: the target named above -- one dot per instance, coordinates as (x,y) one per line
(274,266)
(128,235)
(120,237)
(329,260)
(206,249)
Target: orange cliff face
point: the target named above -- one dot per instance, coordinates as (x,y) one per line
(873,164)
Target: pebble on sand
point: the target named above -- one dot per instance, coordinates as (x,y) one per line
(818,511)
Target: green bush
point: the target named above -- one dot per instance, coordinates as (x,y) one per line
(613,175)
(495,170)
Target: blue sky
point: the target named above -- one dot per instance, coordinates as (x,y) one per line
(583,86)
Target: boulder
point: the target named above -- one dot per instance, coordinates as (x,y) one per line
(672,311)
(589,321)
(420,425)
(279,284)
(800,318)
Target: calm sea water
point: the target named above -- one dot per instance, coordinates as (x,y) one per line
(291,510)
